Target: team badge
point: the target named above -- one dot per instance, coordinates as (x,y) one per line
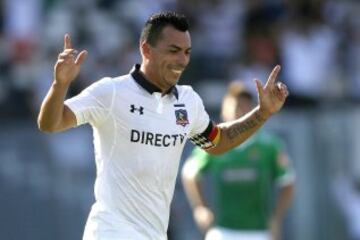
(181,117)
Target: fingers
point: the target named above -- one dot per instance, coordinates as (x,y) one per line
(81,57)
(272,77)
(282,90)
(259,87)
(71,55)
(67,42)
(68,55)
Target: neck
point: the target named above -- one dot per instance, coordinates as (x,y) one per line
(153,77)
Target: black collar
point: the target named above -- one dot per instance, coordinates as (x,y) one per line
(147,85)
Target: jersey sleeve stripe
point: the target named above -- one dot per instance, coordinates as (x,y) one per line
(208,129)
(214,132)
(209,138)
(215,135)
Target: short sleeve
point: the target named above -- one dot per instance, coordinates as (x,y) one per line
(283,172)
(93,105)
(201,116)
(204,133)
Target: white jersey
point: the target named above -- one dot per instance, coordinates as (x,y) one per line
(139,136)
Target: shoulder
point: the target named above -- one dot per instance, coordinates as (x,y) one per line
(106,84)
(106,88)
(122,80)
(187,92)
(100,85)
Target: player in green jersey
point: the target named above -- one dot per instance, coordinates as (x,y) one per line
(244,181)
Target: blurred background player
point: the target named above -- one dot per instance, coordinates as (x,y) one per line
(244,180)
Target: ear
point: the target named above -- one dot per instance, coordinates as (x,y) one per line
(145,49)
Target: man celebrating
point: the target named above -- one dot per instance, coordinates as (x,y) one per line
(140,122)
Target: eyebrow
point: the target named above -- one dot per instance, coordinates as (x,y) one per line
(178,48)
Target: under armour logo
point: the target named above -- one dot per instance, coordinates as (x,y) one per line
(133,109)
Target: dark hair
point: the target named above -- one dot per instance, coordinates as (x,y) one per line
(156,23)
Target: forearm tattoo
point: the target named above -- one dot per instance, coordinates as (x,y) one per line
(238,129)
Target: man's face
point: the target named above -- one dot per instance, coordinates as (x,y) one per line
(169,57)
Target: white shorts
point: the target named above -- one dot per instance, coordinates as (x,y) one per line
(220,233)
(103,225)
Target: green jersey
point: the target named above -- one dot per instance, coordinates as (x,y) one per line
(244,180)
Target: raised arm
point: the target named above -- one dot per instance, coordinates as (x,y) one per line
(54,116)
(271,98)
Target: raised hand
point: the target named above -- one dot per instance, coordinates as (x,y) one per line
(68,63)
(272,96)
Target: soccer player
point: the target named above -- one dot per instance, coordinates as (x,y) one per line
(141,121)
(244,180)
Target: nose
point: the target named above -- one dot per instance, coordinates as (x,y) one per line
(183,59)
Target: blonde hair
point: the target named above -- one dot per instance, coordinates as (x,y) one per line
(235,89)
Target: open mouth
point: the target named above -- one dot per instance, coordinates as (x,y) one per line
(176,71)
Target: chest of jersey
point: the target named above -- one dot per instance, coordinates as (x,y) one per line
(152,120)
